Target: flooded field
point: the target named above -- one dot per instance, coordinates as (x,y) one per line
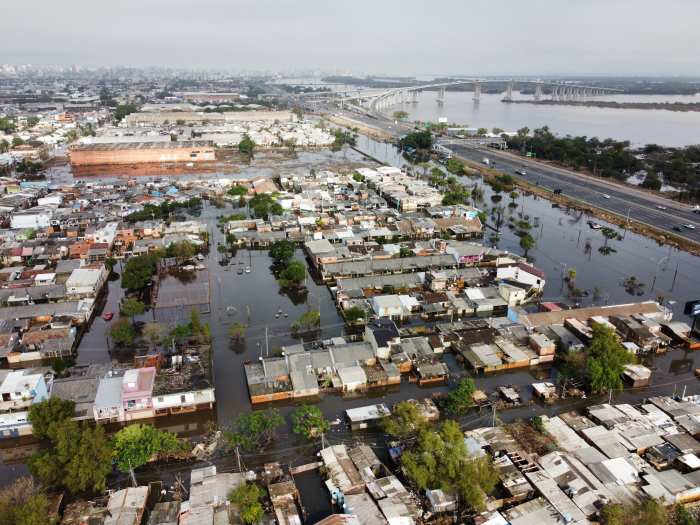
(564,241)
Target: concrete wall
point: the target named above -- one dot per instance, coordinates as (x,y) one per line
(141,156)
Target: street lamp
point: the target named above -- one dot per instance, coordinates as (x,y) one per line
(543,216)
(319,306)
(657,270)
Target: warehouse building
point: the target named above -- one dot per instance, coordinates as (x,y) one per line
(142,153)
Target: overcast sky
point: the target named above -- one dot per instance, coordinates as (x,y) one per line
(452,37)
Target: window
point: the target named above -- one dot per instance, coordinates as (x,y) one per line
(161,400)
(182,399)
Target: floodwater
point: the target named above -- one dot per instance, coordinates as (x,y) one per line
(639,126)
(562,239)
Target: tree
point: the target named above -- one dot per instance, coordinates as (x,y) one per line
(124,110)
(523,225)
(291,143)
(460,400)
(133,307)
(358,177)
(527,243)
(354,314)
(23,502)
(609,234)
(183,251)
(195,321)
(650,512)
(180,332)
(440,460)
(155,332)
(309,421)
(523,132)
(571,275)
(310,318)
(482,217)
(387,288)
(282,251)
(256,430)
(405,422)
(405,252)
(17,141)
(236,331)
(418,140)
(482,131)
(123,332)
(246,145)
(400,115)
(252,512)
(455,198)
(606,358)
(238,190)
(514,195)
(537,424)
(295,326)
(230,238)
(496,131)
(110,262)
(80,458)
(497,187)
(135,445)
(47,413)
(295,272)
(137,272)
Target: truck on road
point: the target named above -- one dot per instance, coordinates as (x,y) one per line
(696,209)
(485,160)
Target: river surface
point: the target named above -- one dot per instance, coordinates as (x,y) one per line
(561,238)
(639,126)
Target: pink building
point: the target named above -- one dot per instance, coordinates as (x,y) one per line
(137,390)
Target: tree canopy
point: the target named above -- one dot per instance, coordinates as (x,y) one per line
(238,190)
(460,400)
(256,430)
(354,314)
(418,140)
(47,413)
(282,251)
(440,460)
(295,272)
(528,243)
(23,502)
(79,460)
(137,272)
(124,110)
(134,445)
(133,307)
(123,332)
(405,422)
(309,421)
(606,358)
(246,145)
(310,318)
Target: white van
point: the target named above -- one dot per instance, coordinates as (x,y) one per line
(485,160)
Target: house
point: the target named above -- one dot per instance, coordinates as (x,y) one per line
(522,273)
(108,406)
(187,387)
(86,281)
(514,295)
(137,393)
(542,344)
(365,417)
(387,305)
(382,334)
(19,390)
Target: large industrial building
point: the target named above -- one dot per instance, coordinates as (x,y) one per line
(198,117)
(142,152)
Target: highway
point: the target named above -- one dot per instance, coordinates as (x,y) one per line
(590,190)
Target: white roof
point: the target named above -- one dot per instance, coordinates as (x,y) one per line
(45,277)
(18,382)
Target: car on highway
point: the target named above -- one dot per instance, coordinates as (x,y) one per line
(661,207)
(678,228)
(108,316)
(606,196)
(520,172)
(690,226)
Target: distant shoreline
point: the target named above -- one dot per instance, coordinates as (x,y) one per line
(675,106)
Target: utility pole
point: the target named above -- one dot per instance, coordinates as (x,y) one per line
(267,348)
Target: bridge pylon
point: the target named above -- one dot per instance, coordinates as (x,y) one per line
(509,91)
(477,92)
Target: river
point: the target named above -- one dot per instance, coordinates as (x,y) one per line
(561,240)
(639,126)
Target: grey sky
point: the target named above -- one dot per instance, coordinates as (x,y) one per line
(379,36)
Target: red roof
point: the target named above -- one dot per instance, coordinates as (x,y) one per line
(531,270)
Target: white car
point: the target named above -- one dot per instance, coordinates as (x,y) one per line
(661,207)
(690,226)
(606,196)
